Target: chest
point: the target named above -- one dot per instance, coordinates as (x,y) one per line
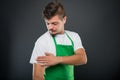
(60,44)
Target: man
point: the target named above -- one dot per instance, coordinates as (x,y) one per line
(58,50)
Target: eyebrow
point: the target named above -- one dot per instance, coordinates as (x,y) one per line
(52,23)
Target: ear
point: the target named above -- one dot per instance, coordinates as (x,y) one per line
(64,19)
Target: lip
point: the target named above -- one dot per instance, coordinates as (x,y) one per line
(51,31)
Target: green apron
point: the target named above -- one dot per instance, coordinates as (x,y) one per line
(61,71)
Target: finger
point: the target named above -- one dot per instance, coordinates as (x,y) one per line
(44,64)
(40,57)
(41,60)
(48,54)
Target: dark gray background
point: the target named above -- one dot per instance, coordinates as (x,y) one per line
(96,21)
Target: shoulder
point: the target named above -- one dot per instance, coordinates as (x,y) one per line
(76,39)
(72,34)
(43,38)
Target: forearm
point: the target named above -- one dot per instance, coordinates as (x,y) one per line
(38,72)
(73,60)
(76,59)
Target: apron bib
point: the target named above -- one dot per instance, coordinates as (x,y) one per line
(61,71)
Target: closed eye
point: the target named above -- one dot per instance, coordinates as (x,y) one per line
(55,23)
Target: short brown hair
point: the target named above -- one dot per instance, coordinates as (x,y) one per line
(53,9)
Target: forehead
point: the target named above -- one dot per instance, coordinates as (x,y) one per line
(53,19)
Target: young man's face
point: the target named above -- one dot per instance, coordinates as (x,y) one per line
(55,25)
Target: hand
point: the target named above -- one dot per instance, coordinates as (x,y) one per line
(48,60)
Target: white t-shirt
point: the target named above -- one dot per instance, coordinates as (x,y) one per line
(45,43)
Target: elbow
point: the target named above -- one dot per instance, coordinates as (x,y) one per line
(36,77)
(85,58)
(82,57)
(82,61)
(85,61)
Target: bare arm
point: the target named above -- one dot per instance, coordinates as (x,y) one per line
(78,58)
(38,72)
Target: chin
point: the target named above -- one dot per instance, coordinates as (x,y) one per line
(52,33)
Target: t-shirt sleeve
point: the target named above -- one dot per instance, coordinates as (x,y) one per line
(38,50)
(77,42)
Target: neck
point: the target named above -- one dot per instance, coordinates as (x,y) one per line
(62,32)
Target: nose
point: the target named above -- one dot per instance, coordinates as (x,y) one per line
(50,26)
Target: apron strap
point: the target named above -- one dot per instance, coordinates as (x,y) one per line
(54,40)
(67,36)
(70,39)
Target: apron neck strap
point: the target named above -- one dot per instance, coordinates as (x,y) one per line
(70,39)
(67,36)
